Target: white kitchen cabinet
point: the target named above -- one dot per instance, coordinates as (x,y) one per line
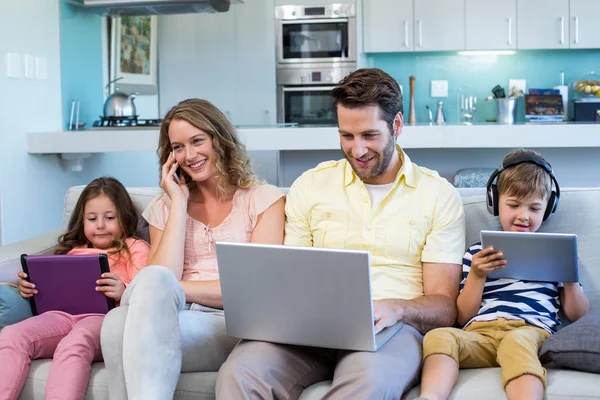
(439,25)
(255,68)
(585,28)
(388,26)
(227,58)
(491,24)
(543,24)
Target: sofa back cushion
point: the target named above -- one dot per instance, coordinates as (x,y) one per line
(576,213)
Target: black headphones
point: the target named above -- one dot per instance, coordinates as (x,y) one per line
(520,158)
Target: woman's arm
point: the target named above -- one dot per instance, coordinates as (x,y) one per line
(268,230)
(573,301)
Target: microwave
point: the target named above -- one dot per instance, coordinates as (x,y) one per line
(315,34)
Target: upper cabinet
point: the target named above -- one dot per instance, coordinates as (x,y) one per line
(585,27)
(543,24)
(439,25)
(491,24)
(388,26)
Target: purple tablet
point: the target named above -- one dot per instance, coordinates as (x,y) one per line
(67,283)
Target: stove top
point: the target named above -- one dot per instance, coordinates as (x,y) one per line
(126,122)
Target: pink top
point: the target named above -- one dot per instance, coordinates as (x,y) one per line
(125,266)
(199,254)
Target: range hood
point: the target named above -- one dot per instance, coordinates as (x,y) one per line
(155,7)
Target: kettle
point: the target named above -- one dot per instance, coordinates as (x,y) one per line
(119,104)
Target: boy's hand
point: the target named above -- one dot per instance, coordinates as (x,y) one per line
(26,288)
(111,285)
(486,261)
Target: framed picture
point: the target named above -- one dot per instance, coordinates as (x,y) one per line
(134,53)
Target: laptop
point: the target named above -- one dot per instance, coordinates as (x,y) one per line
(532,256)
(299,295)
(67,283)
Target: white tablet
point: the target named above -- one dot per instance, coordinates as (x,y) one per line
(532,256)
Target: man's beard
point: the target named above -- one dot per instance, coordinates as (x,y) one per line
(384,160)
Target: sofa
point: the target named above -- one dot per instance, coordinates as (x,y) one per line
(577,213)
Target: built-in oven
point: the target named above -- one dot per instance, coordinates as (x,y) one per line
(304,95)
(315,34)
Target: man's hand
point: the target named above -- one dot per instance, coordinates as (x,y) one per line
(111,285)
(385,315)
(487,261)
(26,288)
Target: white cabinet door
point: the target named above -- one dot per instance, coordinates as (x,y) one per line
(439,25)
(585,25)
(491,24)
(388,26)
(543,24)
(255,63)
(197,59)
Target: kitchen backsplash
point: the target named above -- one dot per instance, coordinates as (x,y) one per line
(478,74)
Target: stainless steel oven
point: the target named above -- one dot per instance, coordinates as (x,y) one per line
(315,34)
(304,95)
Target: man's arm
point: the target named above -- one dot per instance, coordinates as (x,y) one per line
(436,308)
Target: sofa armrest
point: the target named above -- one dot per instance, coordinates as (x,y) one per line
(10,255)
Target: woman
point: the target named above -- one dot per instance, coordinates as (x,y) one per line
(171,316)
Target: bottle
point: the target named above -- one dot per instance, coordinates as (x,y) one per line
(440,119)
(564,91)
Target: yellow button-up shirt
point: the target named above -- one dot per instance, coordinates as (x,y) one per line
(419,220)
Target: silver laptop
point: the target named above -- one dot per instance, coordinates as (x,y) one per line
(299,295)
(532,256)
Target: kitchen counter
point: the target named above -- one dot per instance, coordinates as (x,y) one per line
(326,138)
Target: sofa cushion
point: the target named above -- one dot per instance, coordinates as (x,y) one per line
(577,346)
(13,308)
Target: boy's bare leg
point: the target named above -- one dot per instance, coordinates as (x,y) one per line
(440,374)
(526,387)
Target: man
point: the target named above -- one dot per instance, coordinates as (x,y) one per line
(408,218)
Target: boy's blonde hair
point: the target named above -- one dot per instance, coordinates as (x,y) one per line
(525,180)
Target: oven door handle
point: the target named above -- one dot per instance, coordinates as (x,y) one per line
(308,89)
(313,21)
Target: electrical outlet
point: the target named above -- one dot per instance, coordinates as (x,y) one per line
(439,88)
(29,66)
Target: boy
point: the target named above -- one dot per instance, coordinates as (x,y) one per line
(504,321)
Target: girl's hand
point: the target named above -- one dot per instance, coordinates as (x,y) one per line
(487,261)
(26,288)
(173,189)
(111,285)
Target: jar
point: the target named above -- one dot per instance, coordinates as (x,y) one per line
(587,86)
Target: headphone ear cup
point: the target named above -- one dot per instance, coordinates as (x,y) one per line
(493,198)
(552,204)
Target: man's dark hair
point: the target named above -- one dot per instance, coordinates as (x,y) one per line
(369,87)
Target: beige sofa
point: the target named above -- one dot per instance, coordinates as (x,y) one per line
(577,213)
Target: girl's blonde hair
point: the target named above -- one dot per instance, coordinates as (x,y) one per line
(233,164)
(126,215)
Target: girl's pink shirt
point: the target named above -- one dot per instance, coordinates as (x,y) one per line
(200,257)
(126,266)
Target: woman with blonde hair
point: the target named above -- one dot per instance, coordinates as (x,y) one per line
(171,318)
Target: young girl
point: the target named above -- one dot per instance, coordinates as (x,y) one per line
(103,221)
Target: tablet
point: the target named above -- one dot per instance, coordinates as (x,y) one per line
(67,283)
(531,256)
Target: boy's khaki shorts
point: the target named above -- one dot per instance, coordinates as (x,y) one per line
(510,344)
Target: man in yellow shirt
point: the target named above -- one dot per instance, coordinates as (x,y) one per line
(410,220)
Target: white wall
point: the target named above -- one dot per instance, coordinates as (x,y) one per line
(32,187)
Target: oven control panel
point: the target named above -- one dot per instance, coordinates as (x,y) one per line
(312,76)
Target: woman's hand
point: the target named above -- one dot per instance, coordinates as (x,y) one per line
(26,288)
(486,261)
(111,285)
(173,189)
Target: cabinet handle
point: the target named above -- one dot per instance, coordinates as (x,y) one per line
(420,23)
(510,31)
(576,30)
(405,33)
(562,30)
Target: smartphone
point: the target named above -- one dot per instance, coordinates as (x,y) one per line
(177,172)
